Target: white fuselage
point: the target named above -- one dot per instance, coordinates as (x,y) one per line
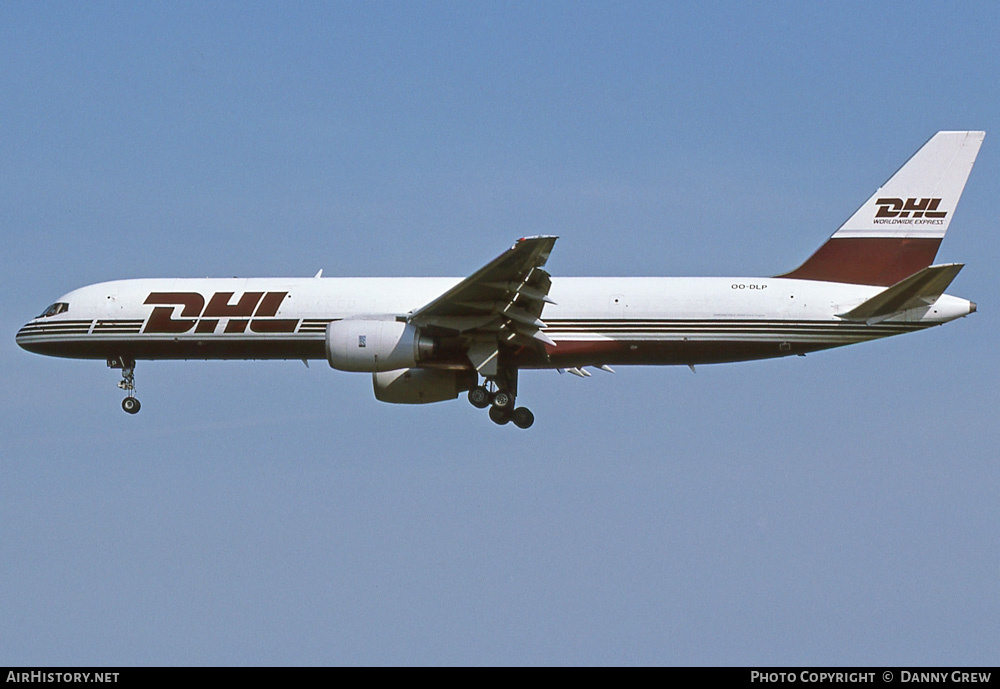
(593,321)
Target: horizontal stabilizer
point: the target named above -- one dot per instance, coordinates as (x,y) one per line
(923,288)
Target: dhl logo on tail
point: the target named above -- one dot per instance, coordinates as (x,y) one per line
(898,208)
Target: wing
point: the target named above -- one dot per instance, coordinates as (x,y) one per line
(498,306)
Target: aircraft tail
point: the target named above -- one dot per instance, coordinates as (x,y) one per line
(897,232)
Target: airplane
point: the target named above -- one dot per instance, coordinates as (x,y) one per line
(430,339)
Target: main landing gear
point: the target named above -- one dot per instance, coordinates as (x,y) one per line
(499,397)
(131,403)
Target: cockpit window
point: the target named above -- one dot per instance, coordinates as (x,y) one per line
(57,308)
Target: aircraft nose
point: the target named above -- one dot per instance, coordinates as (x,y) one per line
(972,307)
(22,338)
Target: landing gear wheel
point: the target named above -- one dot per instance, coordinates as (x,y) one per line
(503,400)
(499,415)
(130,404)
(522,417)
(480,397)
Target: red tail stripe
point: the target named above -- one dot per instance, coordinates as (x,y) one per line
(867,260)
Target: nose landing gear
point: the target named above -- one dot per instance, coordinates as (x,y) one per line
(131,403)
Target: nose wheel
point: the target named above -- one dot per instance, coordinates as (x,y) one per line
(131,403)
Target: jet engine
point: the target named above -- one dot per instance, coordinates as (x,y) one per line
(371,345)
(421,385)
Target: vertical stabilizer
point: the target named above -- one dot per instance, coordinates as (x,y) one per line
(897,232)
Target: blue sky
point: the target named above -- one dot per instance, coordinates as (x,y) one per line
(837,509)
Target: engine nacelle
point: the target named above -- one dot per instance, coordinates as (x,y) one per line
(421,385)
(375,345)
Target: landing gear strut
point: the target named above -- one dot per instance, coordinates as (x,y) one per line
(131,403)
(499,393)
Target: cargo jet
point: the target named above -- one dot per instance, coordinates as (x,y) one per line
(431,339)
